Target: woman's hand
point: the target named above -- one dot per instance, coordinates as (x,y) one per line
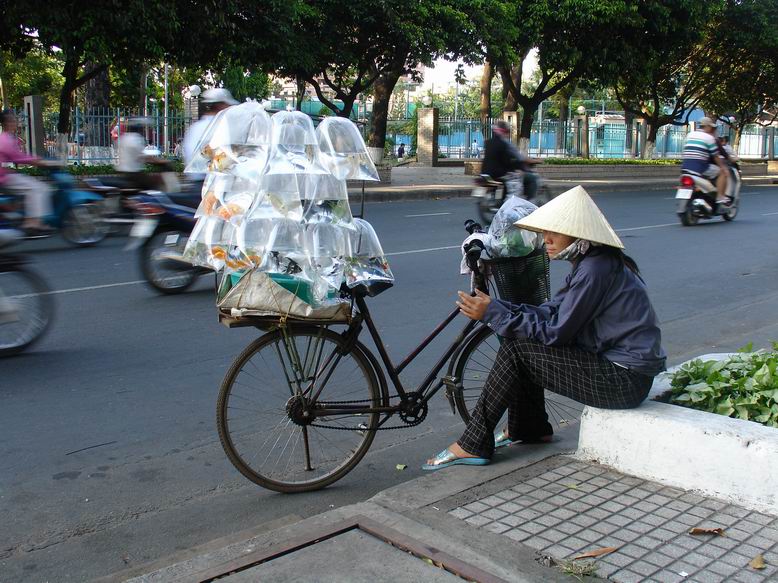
(474,307)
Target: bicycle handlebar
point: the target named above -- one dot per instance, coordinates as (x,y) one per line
(473,254)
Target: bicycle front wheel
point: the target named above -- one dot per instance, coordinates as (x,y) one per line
(270,413)
(472,370)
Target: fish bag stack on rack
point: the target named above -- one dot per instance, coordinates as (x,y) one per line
(277,224)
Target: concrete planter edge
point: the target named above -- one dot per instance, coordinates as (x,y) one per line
(730,459)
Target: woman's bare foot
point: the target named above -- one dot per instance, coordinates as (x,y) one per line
(456,450)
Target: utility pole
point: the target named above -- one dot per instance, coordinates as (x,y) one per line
(166,110)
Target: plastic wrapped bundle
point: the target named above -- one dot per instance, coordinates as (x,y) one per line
(508,240)
(238,134)
(366,262)
(343,150)
(326,201)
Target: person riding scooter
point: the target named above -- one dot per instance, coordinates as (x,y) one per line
(132,158)
(37,194)
(701,156)
(501,157)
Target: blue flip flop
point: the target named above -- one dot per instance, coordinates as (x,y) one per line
(501,440)
(445,459)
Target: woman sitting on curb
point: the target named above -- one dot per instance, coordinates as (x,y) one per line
(596,341)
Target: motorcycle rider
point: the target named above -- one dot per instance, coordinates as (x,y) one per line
(132,158)
(701,156)
(501,156)
(37,194)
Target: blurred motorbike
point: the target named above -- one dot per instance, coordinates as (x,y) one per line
(163,223)
(26,306)
(76,213)
(492,193)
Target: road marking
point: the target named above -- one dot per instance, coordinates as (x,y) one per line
(92,287)
(422,250)
(646,227)
(768,214)
(394,254)
(428,215)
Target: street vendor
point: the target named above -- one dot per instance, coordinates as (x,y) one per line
(597,341)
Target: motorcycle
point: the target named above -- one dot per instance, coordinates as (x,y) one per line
(117,192)
(491,193)
(76,214)
(163,223)
(26,306)
(696,196)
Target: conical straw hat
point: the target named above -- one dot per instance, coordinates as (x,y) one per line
(573,213)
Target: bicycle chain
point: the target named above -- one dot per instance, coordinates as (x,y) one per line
(407,424)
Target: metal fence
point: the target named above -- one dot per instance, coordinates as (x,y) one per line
(464,138)
(95,134)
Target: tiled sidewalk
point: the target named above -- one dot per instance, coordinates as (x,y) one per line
(568,507)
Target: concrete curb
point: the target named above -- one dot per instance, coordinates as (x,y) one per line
(403,193)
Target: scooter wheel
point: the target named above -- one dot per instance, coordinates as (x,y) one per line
(167,276)
(731,213)
(83,225)
(688,218)
(487,208)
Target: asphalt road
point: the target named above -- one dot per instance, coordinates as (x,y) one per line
(109,456)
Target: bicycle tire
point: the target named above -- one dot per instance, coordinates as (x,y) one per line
(472,369)
(364,430)
(40,315)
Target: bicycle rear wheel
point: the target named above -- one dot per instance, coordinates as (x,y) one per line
(473,367)
(268,423)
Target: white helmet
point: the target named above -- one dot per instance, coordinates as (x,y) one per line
(218,95)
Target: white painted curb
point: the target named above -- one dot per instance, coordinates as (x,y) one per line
(731,459)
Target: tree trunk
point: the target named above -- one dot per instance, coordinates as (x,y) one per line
(510,99)
(738,135)
(650,146)
(486,93)
(629,122)
(525,129)
(348,107)
(142,82)
(96,103)
(300,93)
(382,94)
(564,114)
(69,74)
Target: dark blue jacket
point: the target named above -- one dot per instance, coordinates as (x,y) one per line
(603,308)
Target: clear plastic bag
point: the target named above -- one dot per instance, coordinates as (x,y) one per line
(343,150)
(366,261)
(209,244)
(326,201)
(295,147)
(508,240)
(236,134)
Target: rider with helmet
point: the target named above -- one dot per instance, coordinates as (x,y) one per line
(701,156)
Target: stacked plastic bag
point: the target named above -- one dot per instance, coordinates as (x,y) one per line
(275,218)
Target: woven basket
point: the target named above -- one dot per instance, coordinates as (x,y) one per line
(522,280)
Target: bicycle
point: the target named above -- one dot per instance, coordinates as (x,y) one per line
(335,396)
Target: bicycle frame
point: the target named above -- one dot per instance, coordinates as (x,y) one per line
(426,389)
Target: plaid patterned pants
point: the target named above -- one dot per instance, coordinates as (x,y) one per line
(523,369)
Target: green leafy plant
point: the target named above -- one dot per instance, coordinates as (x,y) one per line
(743,386)
(610,161)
